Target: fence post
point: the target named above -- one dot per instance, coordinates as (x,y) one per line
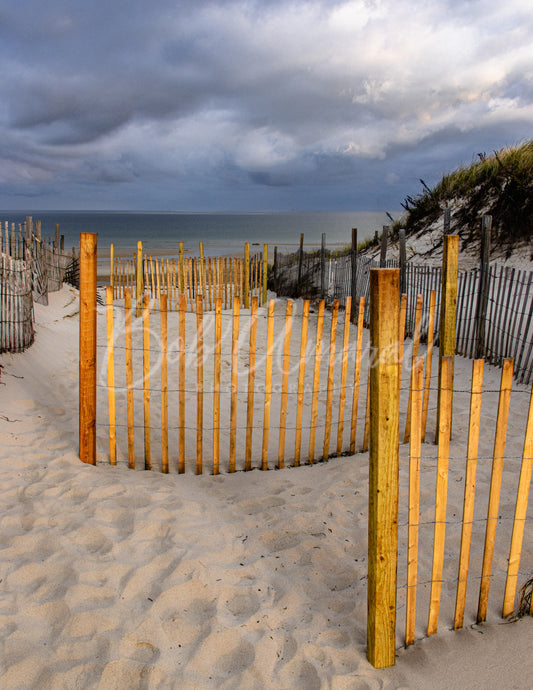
(246,275)
(275,271)
(300,263)
(401,240)
(139,278)
(353,283)
(56,238)
(384,242)
(112,267)
(383,470)
(265,272)
(323,267)
(87,373)
(483,294)
(448,310)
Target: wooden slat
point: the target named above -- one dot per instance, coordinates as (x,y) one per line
(216,392)
(366,435)
(414,497)
(301,383)
(199,382)
(331,373)
(416,346)
(284,384)
(146,380)
(268,383)
(429,362)
(445,416)
(357,373)
(234,384)
(401,331)
(111,377)
(182,306)
(129,378)
(316,380)
(164,385)
(344,371)
(470,490)
(251,385)
(519,516)
(495,486)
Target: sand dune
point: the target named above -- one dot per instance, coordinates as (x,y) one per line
(111,578)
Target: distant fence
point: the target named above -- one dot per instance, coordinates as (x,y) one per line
(32,266)
(494,305)
(16,305)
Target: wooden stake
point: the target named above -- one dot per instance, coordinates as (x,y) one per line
(448,311)
(316,381)
(199,383)
(268,383)
(519,516)
(247,275)
(129,379)
(301,383)
(164,385)
(234,384)
(139,277)
(495,486)
(285,384)
(429,362)
(357,373)
(146,381)
(445,416)
(331,373)
(401,336)
(414,497)
(251,384)
(470,491)
(87,356)
(216,392)
(182,306)
(416,346)
(383,471)
(265,273)
(111,377)
(344,372)
(112,267)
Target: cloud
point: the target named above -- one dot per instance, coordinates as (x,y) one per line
(262,94)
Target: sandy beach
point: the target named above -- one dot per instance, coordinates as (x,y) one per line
(113,578)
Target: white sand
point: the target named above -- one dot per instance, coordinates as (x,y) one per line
(111,578)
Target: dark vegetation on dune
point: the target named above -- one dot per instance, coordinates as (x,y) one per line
(499,184)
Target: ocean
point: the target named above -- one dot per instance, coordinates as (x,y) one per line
(221,233)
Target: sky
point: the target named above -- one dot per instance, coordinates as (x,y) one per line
(254,105)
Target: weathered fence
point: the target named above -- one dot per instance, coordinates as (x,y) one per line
(16,305)
(494,303)
(32,266)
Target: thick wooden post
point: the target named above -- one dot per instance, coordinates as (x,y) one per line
(87,380)
(353,282)
(401,241)
(247,275)
(323,267)
(300,262)
(483,294)
(383,475)
(265,273)
(139,278)
(448,310)
(112,268)
(384,243)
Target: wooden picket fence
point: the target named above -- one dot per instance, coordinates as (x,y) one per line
(194,375)
(16,305)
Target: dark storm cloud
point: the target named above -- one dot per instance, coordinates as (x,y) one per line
(245,96)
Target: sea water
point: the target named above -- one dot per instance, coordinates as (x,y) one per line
(221,233)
